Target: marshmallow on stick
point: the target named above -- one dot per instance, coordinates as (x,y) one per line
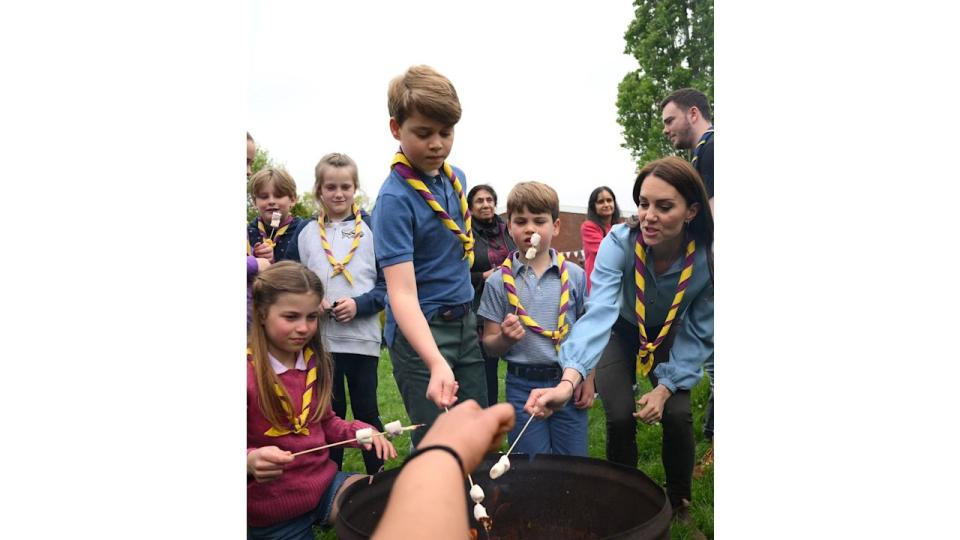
(365,436)
(393,428)
(476,493)
(275,219)
(535,243)
(500,467)
(479,512)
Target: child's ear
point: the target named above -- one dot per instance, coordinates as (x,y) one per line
(394,128)
(293,200)
(556,227)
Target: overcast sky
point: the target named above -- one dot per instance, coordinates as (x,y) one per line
(537,81)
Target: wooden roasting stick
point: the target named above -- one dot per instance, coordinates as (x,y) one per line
(381,433)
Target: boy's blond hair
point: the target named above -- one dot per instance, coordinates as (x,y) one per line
(424,90)
(536,197)
(283,183)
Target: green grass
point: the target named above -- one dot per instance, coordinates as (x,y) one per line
(648,445)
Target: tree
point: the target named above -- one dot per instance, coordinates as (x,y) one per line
(672,41)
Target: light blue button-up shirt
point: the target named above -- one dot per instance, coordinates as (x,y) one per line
(613,294)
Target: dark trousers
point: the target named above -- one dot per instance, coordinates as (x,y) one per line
(360,372)
(615,376)
(457,341)
(491,363)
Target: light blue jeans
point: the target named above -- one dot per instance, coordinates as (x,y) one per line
(564,432)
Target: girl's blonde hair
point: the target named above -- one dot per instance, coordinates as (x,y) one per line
(286,277)
(330,161)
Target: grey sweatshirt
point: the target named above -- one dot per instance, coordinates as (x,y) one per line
(362,334)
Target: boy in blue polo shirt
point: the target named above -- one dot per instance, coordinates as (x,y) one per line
(424,243)
(528,307)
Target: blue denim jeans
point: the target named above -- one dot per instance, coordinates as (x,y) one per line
(564,432)
(301,527)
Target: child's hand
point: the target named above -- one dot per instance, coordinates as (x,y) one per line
(262,264)
(511,329)
(324,307)
(345,310)
(583,395)
(544,401)
(385,449)
(442,388)
(263,251)
(266,463)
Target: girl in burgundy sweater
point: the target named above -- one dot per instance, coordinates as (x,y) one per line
(289,381)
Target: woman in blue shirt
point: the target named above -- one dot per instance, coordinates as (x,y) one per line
(667,250)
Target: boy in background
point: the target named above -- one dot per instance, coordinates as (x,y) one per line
(272,190)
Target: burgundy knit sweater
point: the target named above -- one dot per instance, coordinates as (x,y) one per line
(304,480)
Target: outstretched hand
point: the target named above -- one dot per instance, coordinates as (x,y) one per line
(471,431)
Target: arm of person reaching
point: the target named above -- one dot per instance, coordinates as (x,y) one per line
(692,345)
(581,350)
(583,395)
(405,304)
(429,489)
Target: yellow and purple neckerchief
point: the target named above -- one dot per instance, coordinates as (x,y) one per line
(645,354)
(405,169)
(341,266)
(298,424)
(703,140)
(271,240)
(509,285)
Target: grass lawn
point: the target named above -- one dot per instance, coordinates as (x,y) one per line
(648,441)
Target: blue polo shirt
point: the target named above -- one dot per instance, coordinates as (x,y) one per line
(406,229)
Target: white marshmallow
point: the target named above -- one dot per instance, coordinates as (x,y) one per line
(394,428)
(476,493)
(531,253)
(275,219)
(535,239)
(479,512)
(501,467)
(365,436)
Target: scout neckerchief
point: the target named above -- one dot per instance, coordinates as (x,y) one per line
(338,266)
(276,234)
(703,140)
(510,287)
(405,169)
(645,354)
(298,424)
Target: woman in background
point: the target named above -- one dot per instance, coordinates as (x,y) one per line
(603,212)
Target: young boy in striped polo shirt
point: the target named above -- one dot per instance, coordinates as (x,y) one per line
(529,305)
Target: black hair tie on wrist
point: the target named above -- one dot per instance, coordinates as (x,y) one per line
(446,449)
